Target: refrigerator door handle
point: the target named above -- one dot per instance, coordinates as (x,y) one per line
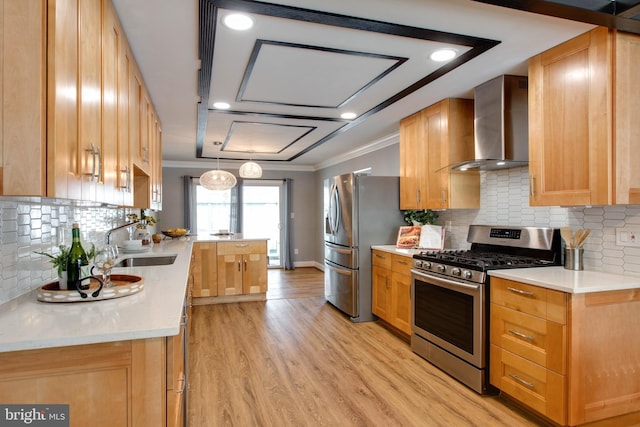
(334,210)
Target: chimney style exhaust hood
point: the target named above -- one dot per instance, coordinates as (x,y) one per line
(501,124)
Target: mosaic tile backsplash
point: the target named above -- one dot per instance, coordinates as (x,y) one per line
(504,200)
(26,228)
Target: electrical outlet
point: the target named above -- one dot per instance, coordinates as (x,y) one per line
(628,236)
(295,251)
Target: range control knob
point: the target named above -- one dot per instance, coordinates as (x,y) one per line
(441,268)
(417,264)
(426,265)
(455,271)
(466,274)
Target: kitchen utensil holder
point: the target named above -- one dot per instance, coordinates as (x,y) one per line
(573,258)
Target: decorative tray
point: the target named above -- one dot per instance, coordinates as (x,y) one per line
(123,285)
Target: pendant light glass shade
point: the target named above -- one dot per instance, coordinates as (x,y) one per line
(250,170)
(217,180)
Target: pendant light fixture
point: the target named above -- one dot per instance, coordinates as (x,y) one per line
(250,169)
(216,179)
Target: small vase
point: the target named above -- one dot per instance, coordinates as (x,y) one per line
(416,223)
(142,234)
(62,280)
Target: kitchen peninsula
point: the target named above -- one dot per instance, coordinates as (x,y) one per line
(115,362)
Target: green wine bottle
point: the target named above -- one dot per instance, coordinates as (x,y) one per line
(77,262)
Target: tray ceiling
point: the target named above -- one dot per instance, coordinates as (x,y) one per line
(289,78)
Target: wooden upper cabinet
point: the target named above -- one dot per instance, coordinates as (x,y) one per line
(410,182)
(583,121)
(66,93)
(430,141)
(627,118)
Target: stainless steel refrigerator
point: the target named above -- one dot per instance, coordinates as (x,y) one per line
(360,211)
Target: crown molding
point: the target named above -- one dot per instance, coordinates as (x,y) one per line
(376,145)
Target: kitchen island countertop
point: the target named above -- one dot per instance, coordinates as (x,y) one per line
(26,323)
(570,281)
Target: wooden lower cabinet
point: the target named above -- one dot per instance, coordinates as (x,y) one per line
(108,384)
(229,271)
(570,357)
(391,289)
(203,269)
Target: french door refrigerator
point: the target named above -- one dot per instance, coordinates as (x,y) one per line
(360,211)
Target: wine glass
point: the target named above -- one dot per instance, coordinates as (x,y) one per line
(104,261)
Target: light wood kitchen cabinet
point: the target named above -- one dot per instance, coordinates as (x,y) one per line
(242,268)
(570,357)
(391,289)
(177,373)
(65,96)
(204,261)
(583,133)
(109,384)
(229,271)
(430,141)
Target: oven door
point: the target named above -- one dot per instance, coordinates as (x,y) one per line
(449,314)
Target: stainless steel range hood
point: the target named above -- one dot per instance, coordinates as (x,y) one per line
(500,125)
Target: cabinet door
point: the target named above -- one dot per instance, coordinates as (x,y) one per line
(230,275)
(176,378)
(254,273)
(401,302)
(111,42)
(124,168)
(435,122)
(381,292)
(90,149)
(410,157)
(204,270)
(570,122)
(627,117)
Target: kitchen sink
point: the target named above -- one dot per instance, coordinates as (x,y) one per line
(146,261)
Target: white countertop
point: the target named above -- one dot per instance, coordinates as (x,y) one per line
(398,251)
(574,282)
(26,323)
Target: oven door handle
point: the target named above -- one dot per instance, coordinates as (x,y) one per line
(445,282)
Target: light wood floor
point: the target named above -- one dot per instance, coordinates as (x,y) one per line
(300,362)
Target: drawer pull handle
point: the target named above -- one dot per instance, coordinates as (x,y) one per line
(402,262)
(521,335)
(380,256)
(521,292)
(241,245)
(521,381)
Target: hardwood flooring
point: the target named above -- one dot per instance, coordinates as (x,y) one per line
(300,362)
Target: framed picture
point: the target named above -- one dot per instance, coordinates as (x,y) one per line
(408,236)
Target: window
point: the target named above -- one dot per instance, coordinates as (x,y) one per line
(213,212)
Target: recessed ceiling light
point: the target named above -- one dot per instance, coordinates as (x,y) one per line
(221,105)
(238,21)
(348,116)
(443,55)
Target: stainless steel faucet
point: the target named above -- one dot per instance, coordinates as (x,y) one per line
(107,235)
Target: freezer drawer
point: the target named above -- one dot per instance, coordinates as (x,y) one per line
(341,255)
(341,288)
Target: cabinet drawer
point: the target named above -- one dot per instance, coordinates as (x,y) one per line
(540,389)
(239,248)
(381,259)
(538,340)
(538,301)
(401,264)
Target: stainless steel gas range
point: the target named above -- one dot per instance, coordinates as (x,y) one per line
(450,295)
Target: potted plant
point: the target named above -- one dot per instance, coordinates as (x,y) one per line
(420,217)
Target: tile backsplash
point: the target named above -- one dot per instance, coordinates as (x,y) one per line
(41,226)
(504,200)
